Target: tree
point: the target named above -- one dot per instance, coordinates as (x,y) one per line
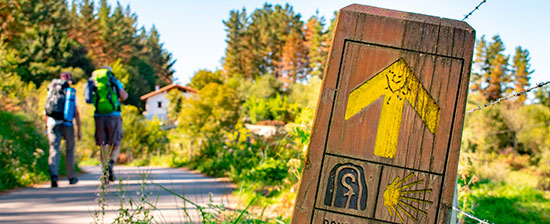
(542,96)
(160,59)
(476,79)
(293,63)
(234,53)
(496,69)
(265,37)
(141,81)
(327,37)
(521,71)
(493,77)
(314,42)
(86,31)
(215,109)
(44,46)
(204,77)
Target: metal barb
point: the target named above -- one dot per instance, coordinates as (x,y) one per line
(471,216)
(477,7)
(539,85)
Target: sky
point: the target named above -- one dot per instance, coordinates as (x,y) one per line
(193,31)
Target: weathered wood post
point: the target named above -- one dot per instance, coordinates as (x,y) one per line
(386,138)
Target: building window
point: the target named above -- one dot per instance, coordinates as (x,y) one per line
(160,104)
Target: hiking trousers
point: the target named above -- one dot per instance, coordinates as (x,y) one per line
(55,134)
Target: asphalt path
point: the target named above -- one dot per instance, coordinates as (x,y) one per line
(81,203)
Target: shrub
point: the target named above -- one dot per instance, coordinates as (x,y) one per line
(23,151)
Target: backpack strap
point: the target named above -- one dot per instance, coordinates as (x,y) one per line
(114,87)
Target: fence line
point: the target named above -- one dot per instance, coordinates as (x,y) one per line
(477,8)
(539,85)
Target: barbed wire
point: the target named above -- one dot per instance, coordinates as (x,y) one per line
(471,216)
(538,85)
(477,7)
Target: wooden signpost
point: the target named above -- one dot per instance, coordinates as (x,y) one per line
(389,120)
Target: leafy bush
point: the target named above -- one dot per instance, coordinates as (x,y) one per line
(269,172)
(23,151)
(275,108)
(142,138)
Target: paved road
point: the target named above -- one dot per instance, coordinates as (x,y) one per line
(77,203)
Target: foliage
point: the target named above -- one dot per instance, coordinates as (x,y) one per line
(215,109)
(142,137)
(40,39)
(205,77)
(493,76)
(23,151)
(306,95)
(273,40)
(276,108)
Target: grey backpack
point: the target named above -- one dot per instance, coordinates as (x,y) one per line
(55,102)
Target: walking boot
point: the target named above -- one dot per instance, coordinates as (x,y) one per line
(73,180)
(110,169)
(54,181)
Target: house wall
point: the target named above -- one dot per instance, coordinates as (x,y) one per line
(154,110)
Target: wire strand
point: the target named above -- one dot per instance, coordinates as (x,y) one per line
(477,8)
(471,216)
(539,85)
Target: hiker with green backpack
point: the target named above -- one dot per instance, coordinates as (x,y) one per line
(60,109)
(105,91)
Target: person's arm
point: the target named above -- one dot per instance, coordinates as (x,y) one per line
(77,119)
(45,120)
(122,94)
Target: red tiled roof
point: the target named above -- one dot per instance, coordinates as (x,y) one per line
(166,88)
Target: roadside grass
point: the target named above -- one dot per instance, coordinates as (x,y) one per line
(141,206)
(501,202)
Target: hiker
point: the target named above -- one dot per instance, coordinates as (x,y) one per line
(59,113)
(104,90)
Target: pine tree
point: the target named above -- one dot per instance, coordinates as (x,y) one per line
(497,78)
(105,27)
(234,53)
(314,43)
(44,44)
(327,37)
(476,79)
(157,56)
(493,78)
(521,72)
(293,65)
(265,38)
(86,31)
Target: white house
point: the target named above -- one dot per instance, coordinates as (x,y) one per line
(156,103)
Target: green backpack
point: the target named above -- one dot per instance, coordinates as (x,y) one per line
(105,98)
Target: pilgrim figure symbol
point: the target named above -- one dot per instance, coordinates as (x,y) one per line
(346,187)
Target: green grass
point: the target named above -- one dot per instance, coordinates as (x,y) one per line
(499,202)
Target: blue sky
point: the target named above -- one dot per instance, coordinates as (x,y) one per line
(193,30)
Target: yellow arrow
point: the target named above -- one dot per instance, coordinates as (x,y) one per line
(396,84)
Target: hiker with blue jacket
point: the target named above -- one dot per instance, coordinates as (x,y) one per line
(105,92)
(59,112)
